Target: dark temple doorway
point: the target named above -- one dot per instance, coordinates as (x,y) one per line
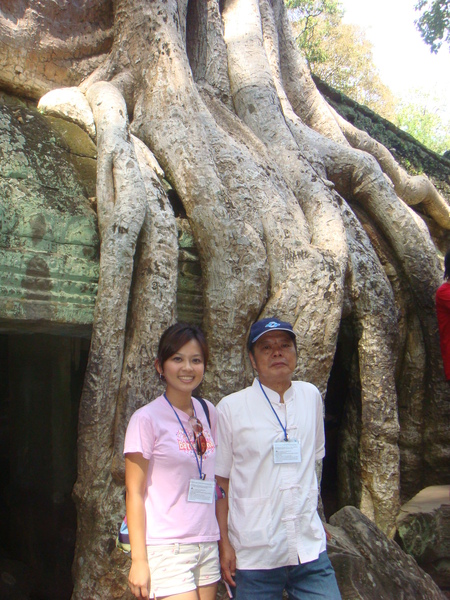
(341,481)
(41,378)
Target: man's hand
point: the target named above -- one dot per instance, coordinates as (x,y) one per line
(139,579)
(227,562)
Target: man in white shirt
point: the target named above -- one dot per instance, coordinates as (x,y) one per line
(269,437)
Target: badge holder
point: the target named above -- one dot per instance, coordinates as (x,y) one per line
(201,490)
(286,452)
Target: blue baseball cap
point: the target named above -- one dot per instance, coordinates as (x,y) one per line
(264,326)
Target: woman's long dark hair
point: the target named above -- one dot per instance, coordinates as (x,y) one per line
(176,336)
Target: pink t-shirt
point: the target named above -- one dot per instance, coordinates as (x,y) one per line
(156,433)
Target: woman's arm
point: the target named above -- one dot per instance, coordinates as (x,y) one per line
(226,551)
(136,467)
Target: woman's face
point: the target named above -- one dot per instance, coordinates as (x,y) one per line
(184,370)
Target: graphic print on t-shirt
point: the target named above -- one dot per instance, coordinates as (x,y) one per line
(184,445)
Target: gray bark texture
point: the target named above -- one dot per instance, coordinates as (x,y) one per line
(294,212)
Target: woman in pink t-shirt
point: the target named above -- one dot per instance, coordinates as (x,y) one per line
(169,474)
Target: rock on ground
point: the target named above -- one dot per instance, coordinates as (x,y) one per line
(423,527)
(370,566)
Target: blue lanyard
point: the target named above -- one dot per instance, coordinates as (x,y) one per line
(286,438)
(199,464)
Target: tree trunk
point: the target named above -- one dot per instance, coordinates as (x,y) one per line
(294,213)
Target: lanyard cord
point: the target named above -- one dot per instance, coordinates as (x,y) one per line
(199,464)
(286,438)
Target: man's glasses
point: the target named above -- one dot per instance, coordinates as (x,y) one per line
(200,440)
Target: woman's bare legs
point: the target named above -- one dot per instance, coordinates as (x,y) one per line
(205,592)
(208,592)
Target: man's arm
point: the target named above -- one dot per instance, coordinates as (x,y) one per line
(226,550)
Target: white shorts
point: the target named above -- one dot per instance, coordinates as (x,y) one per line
(181,568)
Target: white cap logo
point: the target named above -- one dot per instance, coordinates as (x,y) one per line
(272,324)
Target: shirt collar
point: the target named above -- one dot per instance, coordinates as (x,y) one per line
(272,395)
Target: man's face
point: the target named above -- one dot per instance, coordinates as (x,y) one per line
(274,357)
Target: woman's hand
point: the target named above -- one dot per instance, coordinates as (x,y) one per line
(136,467)
(139,578)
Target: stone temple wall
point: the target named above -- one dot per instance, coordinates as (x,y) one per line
(48,232)
(49,244)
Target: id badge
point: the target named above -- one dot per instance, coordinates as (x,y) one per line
(201,490)
(286,452)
